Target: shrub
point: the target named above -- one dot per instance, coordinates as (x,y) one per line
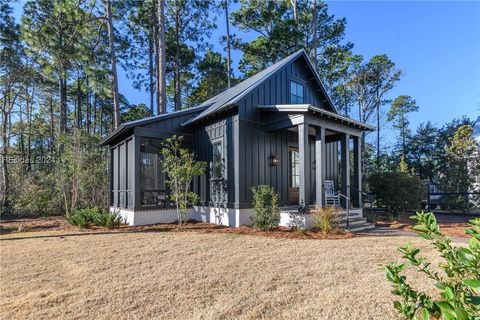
(397,191)
(110,220)
(266,202)
(459,284)
(326,219)
(83,218)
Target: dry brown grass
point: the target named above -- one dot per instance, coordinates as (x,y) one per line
(188,275)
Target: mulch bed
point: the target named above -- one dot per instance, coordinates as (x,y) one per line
(450,224)
(18,226)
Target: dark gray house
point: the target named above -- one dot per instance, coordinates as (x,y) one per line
(278,127)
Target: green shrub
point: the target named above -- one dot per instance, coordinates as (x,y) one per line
(459,284)
(110,220)
(83,218)
(326,219)
(266,202)
(397,191)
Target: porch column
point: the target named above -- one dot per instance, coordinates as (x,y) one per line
(304,159)
(345,139)
(357,172)
(320,165)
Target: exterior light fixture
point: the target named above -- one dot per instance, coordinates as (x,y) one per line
(275,160)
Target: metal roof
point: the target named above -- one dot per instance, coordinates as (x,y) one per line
(127,125)
(231,96)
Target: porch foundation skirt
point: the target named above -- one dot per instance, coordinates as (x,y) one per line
(221,216)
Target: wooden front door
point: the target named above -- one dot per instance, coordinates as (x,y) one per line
(293,175)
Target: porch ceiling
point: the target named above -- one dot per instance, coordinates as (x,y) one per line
(296,109)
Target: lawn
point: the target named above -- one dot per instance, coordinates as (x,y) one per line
(190,275)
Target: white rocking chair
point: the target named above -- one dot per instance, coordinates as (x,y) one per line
(331,197)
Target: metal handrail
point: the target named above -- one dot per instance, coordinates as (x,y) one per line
(347,201)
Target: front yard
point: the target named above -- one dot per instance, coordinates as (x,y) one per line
(191,275)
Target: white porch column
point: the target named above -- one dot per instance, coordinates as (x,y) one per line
(357,172)
(304,158)
(345,139)
(320,165)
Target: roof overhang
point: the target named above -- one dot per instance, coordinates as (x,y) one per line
(308,108)
(125,127)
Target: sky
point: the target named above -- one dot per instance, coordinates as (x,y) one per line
(436,44)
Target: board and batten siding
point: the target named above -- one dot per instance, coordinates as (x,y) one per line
(219,130)
(256,150)
(276,90)
(122,174)
(257,146)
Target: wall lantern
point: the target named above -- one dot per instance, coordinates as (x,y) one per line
(275,160)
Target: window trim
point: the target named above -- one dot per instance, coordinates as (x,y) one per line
(222,156)
(298,83)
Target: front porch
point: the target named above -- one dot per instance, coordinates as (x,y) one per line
(315,129)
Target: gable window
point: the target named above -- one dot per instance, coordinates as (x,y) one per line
(217,160)
(296,93)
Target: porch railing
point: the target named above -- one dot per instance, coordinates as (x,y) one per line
(347,204)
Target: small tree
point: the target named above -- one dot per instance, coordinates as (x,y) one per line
(459,284)
(266,202)
(180,166)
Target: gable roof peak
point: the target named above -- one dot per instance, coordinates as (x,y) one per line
(230,96)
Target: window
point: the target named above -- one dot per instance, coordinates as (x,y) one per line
(217,160)
(296,92)
(294,168)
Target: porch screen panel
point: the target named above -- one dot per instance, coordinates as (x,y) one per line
(153,190)
(130,172)
(122,175)
(115,177)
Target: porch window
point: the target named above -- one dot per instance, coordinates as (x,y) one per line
(153,191)
(296,93)
(294,168)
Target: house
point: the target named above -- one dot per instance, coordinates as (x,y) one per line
(278,127)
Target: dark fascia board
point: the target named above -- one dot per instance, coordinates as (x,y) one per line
(303,108)
(127,125)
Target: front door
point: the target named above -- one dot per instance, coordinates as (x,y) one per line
(293,175)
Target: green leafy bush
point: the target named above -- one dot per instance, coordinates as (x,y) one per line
(110,220)
(397,191)
(326,219)
(266,202)
(83,218)
(459,284)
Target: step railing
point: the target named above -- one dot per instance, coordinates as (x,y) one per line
(347,202)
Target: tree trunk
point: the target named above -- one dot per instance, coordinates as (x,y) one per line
(113,61)
(150,66)
(95,121)
(161,66)
(314,34)
(79,102)
(52,128)
(229,59)
(88,107)
(378,133)
(295,18)
(177,67)
(29,124)
(63,102)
